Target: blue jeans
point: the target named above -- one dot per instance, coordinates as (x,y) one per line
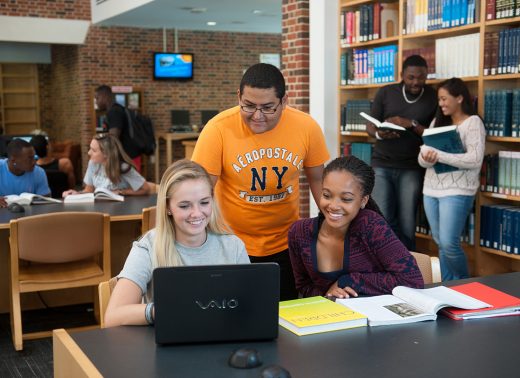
(397,193)
(447,218)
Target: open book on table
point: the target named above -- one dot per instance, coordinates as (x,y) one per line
(447,139)
(407,305)
(385,126)
(101,194)
(29,199)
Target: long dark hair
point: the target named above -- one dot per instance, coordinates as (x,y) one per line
(455,88)
(361,171)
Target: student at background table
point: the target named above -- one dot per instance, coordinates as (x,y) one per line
(19,173)
(448,197)
(189,231)
(349,249)
(111,168)
(48,163)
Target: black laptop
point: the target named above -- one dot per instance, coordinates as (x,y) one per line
(216,303)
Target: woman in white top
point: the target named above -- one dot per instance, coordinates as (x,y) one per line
(448,197)
(189,231)
(111,168)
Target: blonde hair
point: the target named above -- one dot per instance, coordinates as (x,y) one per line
(115,156)
(165,252)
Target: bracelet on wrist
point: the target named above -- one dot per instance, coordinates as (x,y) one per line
(148,313)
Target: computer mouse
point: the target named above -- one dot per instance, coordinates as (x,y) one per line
(15,208)
(274,371)
(245,358)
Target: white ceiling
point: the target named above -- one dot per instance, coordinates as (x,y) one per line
(230,15)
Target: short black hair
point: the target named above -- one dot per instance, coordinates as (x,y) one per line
(15,147)
(39,142)
(414,61)
(265,76)
(104,89)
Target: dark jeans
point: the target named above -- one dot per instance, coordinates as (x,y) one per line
(397,193)
(287,288)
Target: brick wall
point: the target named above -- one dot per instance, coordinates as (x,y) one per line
(295,67)
(68,9)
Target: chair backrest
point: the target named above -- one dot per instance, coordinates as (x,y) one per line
(105,291)
(429,266)
(149,218)
(61,237)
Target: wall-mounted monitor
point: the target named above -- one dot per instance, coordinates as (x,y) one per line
(172,66)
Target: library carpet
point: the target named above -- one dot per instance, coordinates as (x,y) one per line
(35,360)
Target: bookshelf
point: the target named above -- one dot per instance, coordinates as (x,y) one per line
(19,98)
(413,35)
(127,96)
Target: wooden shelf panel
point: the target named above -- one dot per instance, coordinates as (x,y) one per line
(364,86)
(499,253)
(449,32)
(503,21)
(355,133)
(374,42)
(353,3)
(502,139)
(500,196)
(502,77)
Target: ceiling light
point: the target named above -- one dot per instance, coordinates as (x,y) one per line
(198,10)
(257,11)
(211,23)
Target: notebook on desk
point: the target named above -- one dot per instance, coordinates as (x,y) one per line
(216,303)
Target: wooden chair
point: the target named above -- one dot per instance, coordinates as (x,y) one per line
(429,266)
(105,289)
(148,219)
(56,251)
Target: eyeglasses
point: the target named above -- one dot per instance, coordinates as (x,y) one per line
(263,110)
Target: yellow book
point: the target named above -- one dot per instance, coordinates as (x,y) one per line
(317,314)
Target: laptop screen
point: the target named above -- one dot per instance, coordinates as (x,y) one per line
(216,303)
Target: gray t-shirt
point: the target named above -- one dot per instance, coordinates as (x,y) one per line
(97,177)
(218,249)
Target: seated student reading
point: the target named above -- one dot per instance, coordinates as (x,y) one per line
(48,163)
(349,249)
(19,173)
(189,231)
(111,168)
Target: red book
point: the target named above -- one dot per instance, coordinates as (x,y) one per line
(490,10)
(502,304)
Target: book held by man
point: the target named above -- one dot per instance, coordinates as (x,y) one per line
(447,139)
(307,316)
(384,126)
(407,305)
(100,194)
(502,304)
(29,199)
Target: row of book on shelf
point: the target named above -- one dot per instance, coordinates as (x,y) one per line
(502,112)
(360,150)
(369,22)
(502,52)
(427,15)
(369,66)
(500,173)
(496,9)
(450,57)
(500,228)
(473,300)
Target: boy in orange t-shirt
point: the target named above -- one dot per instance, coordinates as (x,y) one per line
(254,153)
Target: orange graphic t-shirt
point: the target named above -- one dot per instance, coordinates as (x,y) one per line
(258,174)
